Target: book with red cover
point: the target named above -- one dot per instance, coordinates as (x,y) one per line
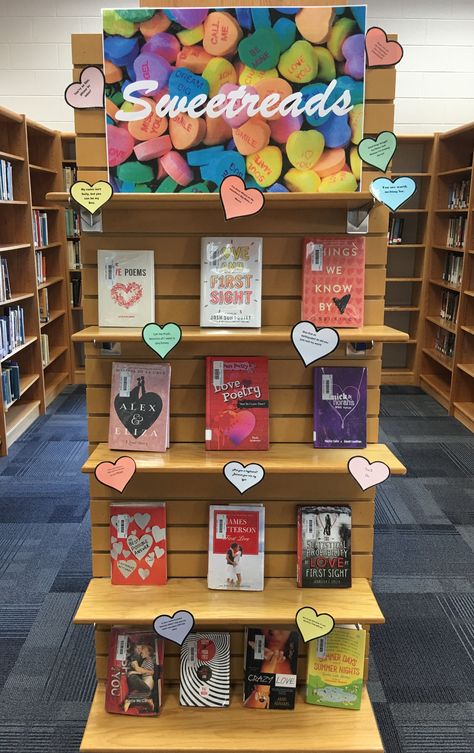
(135,672)
(333,281)
(237,415)
(139,407)
(138,543)
(236,547)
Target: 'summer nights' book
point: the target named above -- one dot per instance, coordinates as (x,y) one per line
(205,670)
(324,546)
(236,547)
(126,284)
(335,674)
(270,667)
(134,673)
(138,543)
(340,407)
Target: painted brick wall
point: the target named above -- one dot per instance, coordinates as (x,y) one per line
(435,78)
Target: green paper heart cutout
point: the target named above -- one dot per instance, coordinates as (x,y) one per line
(378,152)
(161,339)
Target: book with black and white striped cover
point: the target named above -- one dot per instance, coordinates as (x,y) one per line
(205,670)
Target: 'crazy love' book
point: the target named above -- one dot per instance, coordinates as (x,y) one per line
(340,407)
(270,667)
(236,546)
(126,284)
(324,546)
(138,543)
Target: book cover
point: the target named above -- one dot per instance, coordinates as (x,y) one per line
(205,670)
(139,407)
(138,543)
(340,407)
(270,668)
(231,282)
(324,546)
(335,673)
(236,547)
(126,287)
(134,673)
(237,408)
(333,281)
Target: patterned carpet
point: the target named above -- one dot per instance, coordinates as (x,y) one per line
(422,668)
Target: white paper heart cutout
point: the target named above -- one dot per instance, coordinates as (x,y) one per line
(243,477)
(158,533)
(142,519)
(368,474)
(139,547)
(126,553)
(313,344)
(175,628)
(126,567)
(159,552)
(116,549)
(143,573)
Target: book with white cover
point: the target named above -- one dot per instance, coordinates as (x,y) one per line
(236,547)
(126,284)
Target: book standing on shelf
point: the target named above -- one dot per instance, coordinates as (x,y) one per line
(449,306)
(5,290)
(324,546)
(204,677)
(458,195)
(340,407)
(236,547)
(134,683)
(44,340)
(74,253)
(73,227)
(69,176)
(43,302)
(444,342)
(453,269)
(140,530)
(395,230)
(456,231)
(75,288)
(126,288)
(270,668)
(10,383)
(12,329)
(40,228)
(6,180)
(40,267)
(335,674)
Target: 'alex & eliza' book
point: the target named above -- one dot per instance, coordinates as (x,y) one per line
(340,407)
(205,670)
(126,286)
(324,546)
(336,668)
(135,672)
(236,546)
(138,543)
(270,667)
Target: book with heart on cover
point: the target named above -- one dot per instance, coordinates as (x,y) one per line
(236,547)
(138,543)
(134,683)
(231,282)
(139,407)
(204,678)
(126,285)
(335,673)
(324,546)
(340,407)
(333,281)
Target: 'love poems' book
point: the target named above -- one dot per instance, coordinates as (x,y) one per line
(237,414)
(333,281)
(324,546)
(139,406)
(336,668)
(340,406)
(126,284)
(231,282)
(270,667)
(138,543)
(236,545)
(134,683)
(205,670)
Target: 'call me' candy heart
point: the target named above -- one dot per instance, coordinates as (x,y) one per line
(91,197)
(116,475)
(161,339)
(393,193)
(381,51)
(367,474)
(313,625)
(237,200)
(379,151)
(88,92)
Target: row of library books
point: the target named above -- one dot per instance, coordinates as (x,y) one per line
(40,260)
(40,228)
(12,329)
(138,551)
(43,302)
(453,269)
(73,228)
(44,340)
(456,231)
(231,283)
(449,306)
(10,383)
(69,176)
(6,180)
(395,230)
(334,671)
(75,291)
(74,254)
(458,194)
(444,342)
(5,289)
(237,405)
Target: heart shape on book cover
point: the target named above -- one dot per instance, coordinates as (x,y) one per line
(139,547)
(313,625)
(138,412)
(116,475)
(175,628)
(88,92)
(142,519)
(126,567)
(341,303)
(126,294)
(235,424)
(381,51)
(368,474)
(351,402)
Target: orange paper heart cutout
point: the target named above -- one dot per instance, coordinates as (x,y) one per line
(237,200)
(381,52)
(116,475)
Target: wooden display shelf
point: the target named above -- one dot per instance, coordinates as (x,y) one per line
(468,329)
(451,249)
(46,209)
(401,308)
(27,381)
(47,247)
(42,169)
(54,353)
(467,409)
(19,416)
(193,730)
(404,279)
(443,323)
(13,247)
(53,315)
(439,358)
(28,341)
(438,385)
(11,157)
(469,293)
(447,285)
(451,211)
(16,297)
(54,383)
(192,457)
(50,281)
(455,171)
(468,368)
(405,245)
(13,202)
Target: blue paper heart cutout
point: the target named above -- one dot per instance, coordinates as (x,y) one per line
(393,193)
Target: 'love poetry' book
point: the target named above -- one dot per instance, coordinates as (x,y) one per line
(205,670)
(134,683)
(138,543)
(236,546)
(126,285)
(324,546)
(340,407)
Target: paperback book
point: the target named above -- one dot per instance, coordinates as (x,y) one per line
(237,408)
(340,407)
(236,547)
(335,673)
(324,546)
(205,670)
(270,668)
(135,672)
(231,282)
(138,543)
(139,407)
(126,288)
(333,281)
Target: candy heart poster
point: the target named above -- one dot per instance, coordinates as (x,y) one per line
(272,95)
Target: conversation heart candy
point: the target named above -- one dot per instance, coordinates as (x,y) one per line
(268,87)
(330,162)
(338,34)
(113,23)
(193,58)
(149,127)
(250,77)
(163,44)
(153,148)
(244,17)
(304,148)
(112,73)
(217,131)
(353,49)
(277,188)
(135,172)
(189,37)
(302,181)
(336,131)
(239,113)
(136,15)
(230,163)
(356,163)
(314,23)
(312,95)
(356,119)
(119,145)
(265,166)
(190,17)
(184,83)
(359,13)
(340,182)
(326,64)
(260,50)
(217,73)
(252,136)
(168,185)
(149,66)
(204,156)
(186,132)
(298,64)
(261,18)
(355,88)
(120,50)
(158,22)
(222,34)
(282,128)
(286,33)
(177,168)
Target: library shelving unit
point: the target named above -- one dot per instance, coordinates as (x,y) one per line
(189,478)
(406,263)
(448,376)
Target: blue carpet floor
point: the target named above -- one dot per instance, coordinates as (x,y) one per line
(422,666)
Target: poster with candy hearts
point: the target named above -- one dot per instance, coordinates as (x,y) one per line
(273,95)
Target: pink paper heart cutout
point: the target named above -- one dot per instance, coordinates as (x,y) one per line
(381,52)
(368,474)
(237,200)
(116,475)
(243,426)
(88,92)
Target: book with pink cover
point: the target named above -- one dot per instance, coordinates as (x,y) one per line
(139,407)
(333,281)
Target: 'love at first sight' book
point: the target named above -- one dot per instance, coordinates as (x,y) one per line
(139,407)
(340,407)
(134,683)
(231,282)
(236,545)
(205,670)
(324,546)
(126,284)
(138,543)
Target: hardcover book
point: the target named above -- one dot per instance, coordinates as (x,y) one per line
(340,407)
(138,543)
(126,284)
(236,546)
(270,667)
(135,672)
(335,673)
(324,546)
(333,281)
(231,282)
(139,407)
(205,670)
(237,409)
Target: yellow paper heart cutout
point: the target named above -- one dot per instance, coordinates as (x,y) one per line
(91,197)
(313,625)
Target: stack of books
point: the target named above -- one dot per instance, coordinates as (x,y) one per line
(458,195)
(40,228)
(74,253)
(6,180)
(10,383)
(456,231)
(40,267)
(449,306)
(444,342)
(395,230)
(453,269)
(12,329)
